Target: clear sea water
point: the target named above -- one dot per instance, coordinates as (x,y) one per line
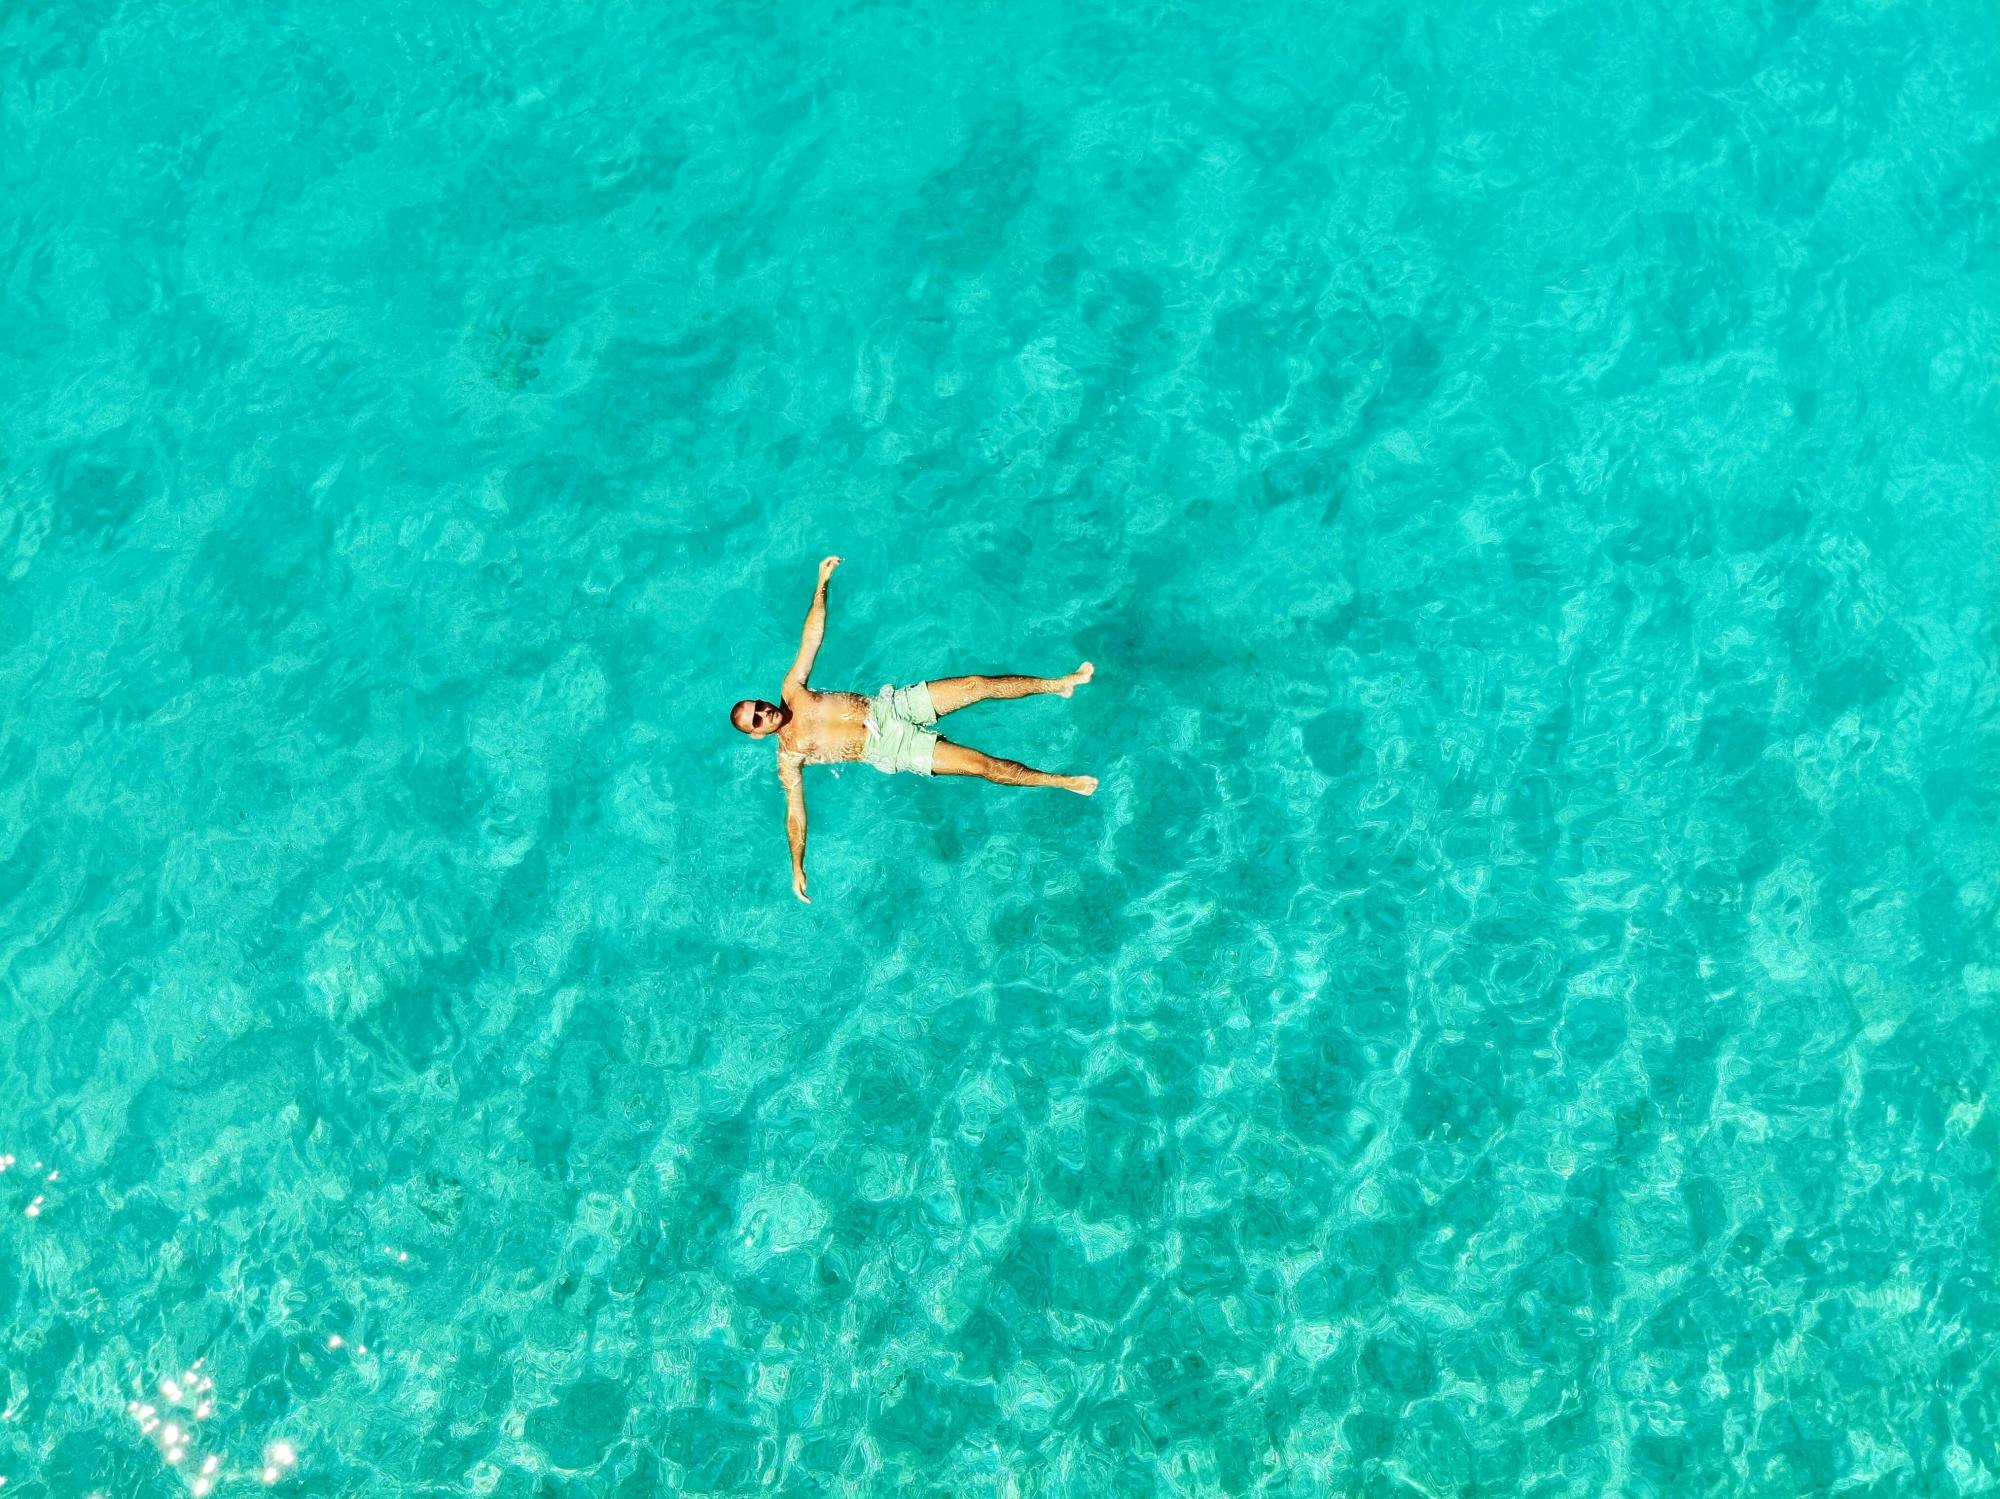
(1519,1017)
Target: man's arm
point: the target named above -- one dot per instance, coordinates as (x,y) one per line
(795,821)
(815,630)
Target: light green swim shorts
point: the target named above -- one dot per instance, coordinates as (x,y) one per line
(899,720)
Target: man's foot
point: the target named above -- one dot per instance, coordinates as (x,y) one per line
(1075,680)
(1081,785)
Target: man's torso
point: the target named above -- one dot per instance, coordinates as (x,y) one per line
(826,728)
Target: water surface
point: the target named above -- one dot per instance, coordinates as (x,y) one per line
(1518,1018)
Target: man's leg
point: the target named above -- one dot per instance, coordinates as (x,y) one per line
(949,694)
(956,760)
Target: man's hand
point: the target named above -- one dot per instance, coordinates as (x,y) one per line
(827,566)
(799,886)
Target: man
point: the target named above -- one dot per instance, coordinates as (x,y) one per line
(891,731)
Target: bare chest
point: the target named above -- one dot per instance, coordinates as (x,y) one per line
(826,727)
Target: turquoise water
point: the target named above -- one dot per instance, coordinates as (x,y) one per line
(1519,1016)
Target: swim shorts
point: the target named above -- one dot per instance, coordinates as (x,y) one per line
(899,719)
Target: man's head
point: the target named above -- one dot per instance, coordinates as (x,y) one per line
(756,717)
